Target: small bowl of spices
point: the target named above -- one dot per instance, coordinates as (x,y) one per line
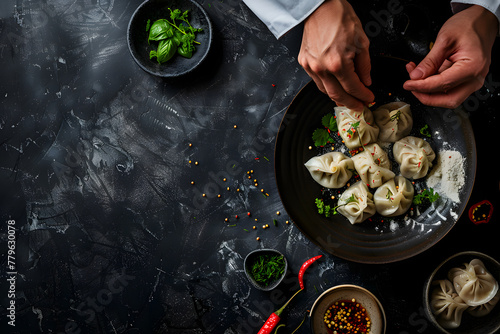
(346,309)
(265,268)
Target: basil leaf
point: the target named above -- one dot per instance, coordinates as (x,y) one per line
(166,50)
(160,29)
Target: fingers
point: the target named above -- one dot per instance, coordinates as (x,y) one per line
(451,77)
(451,99)
(342,84)
(431,63)
(362,65)
(329,85)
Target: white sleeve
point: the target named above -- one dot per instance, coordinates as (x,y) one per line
(491,5)
(282,15)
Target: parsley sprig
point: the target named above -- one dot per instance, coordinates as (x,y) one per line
(327,210)
(321,136)
(428,195)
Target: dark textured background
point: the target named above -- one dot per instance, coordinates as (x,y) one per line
(94,169)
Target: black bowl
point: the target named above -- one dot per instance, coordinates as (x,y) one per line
(488,324)
(137,37)
(248,260)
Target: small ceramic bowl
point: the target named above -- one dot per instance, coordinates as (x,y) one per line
(487,324)
(347,292)
(248,263)
(137,37)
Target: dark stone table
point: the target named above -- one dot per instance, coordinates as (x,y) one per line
(97,160)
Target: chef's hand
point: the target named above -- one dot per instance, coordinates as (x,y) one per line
(459,61)
(334,52)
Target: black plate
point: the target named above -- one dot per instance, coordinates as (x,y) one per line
(377,241)
(137,36)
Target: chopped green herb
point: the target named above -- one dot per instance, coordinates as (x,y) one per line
(424,131)
(322,208)
(266,268)
(396,115)
(389,195)
(427,195)
(275,222)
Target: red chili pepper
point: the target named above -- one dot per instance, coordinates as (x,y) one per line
(483,218)
(274,318)
(303,269)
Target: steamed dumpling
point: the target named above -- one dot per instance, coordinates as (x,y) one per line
(484,309)
(356,203)
(331,170)
(365,132)
(373,166)
(446,305)
(473,283)
(414,155)
(394,120)
(394,197)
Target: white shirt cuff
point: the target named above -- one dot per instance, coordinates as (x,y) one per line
(280,16)
(491,5)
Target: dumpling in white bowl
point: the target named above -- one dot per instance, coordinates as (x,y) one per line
(446,305)
(356,203)
(357,128)
(473,283)
(414,156)
(394,197)
(394,120)
(331,170)
(373,166)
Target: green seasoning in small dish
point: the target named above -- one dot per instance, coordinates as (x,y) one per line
(265,268)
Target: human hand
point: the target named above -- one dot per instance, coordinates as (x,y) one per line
(459,61)
(334,52)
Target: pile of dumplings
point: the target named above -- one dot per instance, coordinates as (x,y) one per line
(470,288)
(392,194)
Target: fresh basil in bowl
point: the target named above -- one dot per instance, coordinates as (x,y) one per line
(169,38)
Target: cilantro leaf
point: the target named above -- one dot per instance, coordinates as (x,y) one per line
(321,137)
(330,122)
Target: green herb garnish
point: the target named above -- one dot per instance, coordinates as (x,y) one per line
(351,199)
(173,37)
(322,208)
(330,122)
(267,268)
(321,136)
(427,195)
(389,195)
(424,131)
(353,128)
(396,115)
